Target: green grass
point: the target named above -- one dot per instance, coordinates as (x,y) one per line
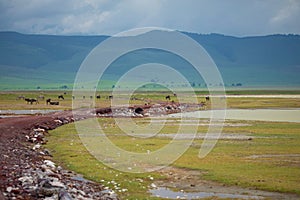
(8,99)
(229,163)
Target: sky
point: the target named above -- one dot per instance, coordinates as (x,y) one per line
(109,17)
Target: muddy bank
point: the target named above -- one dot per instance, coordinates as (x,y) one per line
(188,184)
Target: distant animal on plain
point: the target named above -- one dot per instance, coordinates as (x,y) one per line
(98,96)
(48,101)
(31,100)
(207,98)
(168,97)
(61,97)
(110,97)
(54,103)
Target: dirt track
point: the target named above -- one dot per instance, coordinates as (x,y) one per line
(26,169)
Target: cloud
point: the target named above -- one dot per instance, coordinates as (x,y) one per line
(231,17)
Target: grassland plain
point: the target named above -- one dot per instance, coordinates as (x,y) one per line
(9,99)
(270,161)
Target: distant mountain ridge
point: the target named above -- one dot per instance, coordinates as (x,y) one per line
(28,61)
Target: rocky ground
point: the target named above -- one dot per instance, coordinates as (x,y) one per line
(26,169)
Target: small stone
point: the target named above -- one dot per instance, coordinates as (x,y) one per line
(26,179)
(57,184)
(153,185)
(49,163)
(81,192)
(9,189)
(63,195)
(74,190)
(37,146)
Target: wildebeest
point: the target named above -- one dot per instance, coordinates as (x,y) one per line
(31,100)
(83,97)
(110,97)
(48,101)
(98,96)
(207,98)
(168,97)
(91,97)
(175,95)
(102,111)
(139,110)
(54,103)
(61,97)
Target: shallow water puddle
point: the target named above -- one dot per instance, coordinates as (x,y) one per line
(164,192)
(276,115)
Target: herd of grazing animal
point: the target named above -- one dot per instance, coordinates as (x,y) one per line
(110,97)
(41,97)
(49,100)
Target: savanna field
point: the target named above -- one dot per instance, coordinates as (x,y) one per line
(251,158)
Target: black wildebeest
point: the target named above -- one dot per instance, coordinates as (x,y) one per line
(98,96)
(61,97)
(30,100)
(207,98)
(168,97)
(139,110)
(54,103)
(110,97)
(102,111)
(48,101)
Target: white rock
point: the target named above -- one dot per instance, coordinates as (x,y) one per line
(153,185)
(57,184)
(49,163)
(9,189)
(81,192)
(39,130)
(37,146)
(74,190)
(26,179)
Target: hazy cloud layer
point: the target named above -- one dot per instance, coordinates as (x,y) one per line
(232,17)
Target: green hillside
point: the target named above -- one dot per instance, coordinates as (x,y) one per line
(49,62)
